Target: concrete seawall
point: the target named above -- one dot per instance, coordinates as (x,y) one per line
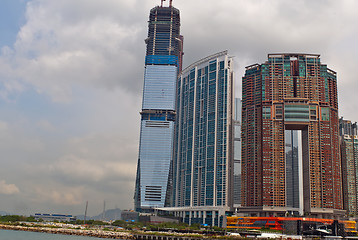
(162,237)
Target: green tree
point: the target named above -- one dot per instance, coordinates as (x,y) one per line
(12,218)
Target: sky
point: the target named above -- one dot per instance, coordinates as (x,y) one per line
(71,77)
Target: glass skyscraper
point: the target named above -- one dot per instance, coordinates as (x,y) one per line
(162,64)
(237,153)
(203,152)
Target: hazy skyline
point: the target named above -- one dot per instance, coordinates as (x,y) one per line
(71,77)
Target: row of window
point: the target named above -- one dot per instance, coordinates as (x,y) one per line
(295,113)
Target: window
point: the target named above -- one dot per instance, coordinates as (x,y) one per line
(313,113)
(266,112)
(158,124)
(324,114)
(153,193)
(297,112)
(279,112)
(201,108)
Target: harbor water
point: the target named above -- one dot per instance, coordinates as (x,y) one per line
(23,235)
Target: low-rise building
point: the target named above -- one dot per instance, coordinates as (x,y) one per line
(54,217)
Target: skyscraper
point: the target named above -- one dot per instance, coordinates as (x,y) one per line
(162,64)
(291,92)
(237,153)
(349,153)
(203,152)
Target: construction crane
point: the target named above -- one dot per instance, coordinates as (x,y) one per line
(170,3)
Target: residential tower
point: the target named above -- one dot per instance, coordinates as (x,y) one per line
(349,154)
(290,97)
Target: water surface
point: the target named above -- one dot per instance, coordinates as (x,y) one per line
(22,235)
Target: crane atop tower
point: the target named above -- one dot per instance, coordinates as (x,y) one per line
(170,3)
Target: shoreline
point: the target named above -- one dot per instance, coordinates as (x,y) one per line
(67,231)
(108,234)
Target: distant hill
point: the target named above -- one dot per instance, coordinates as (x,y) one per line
(109,215)
(82,217)
(2,213)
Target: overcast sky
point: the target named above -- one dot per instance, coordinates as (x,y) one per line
(71,77)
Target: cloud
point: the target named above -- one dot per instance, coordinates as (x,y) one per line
(91,170)
(61,47)
(94,167)
(46,125)
(3,126)
(14,140)
(67,196)
(88,151)
(97,158)
(8,189)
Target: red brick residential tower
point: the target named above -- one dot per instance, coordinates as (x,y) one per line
(291,92)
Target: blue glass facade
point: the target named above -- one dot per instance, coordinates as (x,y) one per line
(155,154)
(203,156)
(162,64)
(159,87)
